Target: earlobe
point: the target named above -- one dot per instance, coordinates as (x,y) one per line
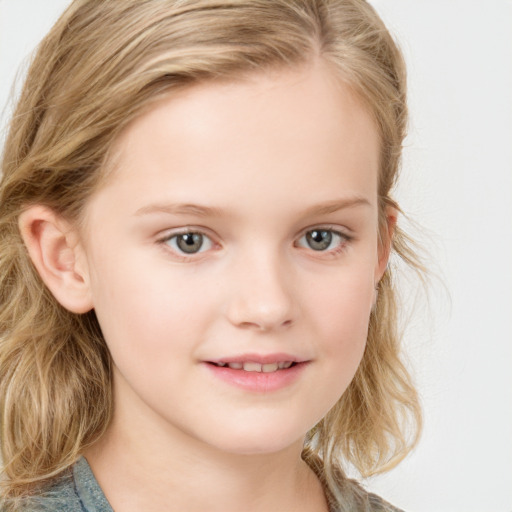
(53,247)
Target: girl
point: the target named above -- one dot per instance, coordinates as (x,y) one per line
(197,311)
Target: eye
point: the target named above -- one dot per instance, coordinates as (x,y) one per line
(322,239)
(189,243)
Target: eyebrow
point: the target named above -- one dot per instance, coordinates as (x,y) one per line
(210,211)
(183,209)
(336,205)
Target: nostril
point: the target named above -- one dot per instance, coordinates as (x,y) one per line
(265,325)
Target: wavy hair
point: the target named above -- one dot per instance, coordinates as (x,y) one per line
(101,65)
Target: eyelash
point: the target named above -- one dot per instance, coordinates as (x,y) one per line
(182,255)
(341,246)
(344,241)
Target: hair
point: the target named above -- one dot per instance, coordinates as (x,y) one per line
(101,66)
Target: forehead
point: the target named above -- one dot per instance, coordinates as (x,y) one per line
(304,128)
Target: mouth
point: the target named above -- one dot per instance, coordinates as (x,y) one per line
(259,373)
(253,366)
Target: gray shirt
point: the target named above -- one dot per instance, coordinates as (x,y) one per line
(78,491)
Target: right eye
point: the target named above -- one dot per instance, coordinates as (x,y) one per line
(190,242)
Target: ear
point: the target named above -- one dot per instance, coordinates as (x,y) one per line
(386,234)
(55,251)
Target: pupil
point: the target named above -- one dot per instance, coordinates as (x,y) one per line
(190,242)
(319,240)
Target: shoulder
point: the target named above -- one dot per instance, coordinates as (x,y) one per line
(349,495)
(60,496)
(345,494)
(377,504)
(75,490)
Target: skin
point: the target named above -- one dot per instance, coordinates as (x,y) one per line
(273,157)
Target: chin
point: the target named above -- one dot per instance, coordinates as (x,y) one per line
(258,442)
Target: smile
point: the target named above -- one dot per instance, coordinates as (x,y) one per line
(258,373)
(251,366)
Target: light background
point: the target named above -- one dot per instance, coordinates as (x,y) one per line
(457,182)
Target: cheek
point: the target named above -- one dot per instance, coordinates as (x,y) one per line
(342,317)
(150,314)
(344,305)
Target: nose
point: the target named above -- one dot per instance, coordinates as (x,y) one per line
(262,298)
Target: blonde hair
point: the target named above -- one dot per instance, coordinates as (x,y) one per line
(101,65)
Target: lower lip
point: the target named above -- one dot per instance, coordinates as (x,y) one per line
(258,381)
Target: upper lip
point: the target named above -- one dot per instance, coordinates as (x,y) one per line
(259,358)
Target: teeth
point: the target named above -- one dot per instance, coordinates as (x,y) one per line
(268,368)
(251,366)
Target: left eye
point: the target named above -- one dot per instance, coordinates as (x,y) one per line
(189,243)
(321,239)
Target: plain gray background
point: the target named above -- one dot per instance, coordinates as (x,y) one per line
(456,182)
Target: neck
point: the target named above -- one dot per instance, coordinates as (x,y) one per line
(151,469)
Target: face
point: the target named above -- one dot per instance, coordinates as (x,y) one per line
(232,258)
